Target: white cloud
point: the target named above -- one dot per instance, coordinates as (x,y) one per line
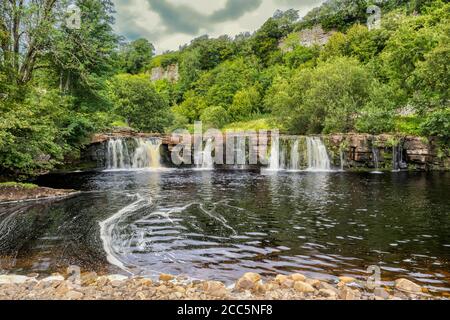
(139,18)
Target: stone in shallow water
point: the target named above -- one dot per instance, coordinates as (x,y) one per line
(53,278)
(13,279)
(166,277)
(407,286)
(347,279)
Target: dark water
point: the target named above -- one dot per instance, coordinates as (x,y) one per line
(219,225)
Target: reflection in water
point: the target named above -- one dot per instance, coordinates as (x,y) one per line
(218,225)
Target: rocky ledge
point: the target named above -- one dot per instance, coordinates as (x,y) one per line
(251,286)
(10,192)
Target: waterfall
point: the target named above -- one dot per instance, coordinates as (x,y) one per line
(295,156)
(318,159)
(145,155)
(204,159)
(118,156)
(274,164)
(341,155)
(397,158)
(376,160)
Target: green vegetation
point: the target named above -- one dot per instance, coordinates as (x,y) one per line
(55,94)
(18,185)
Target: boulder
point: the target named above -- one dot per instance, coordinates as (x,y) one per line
(298,277)
(300,286)
(166,277)
(408,286)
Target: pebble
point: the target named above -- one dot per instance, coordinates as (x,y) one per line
(249,287)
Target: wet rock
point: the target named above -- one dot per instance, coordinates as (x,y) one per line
(166,277)
(288,283)
(248,282)
(327,293)
(244,284)
(215,288)
(303,287)
(347,280)
(281,278)
(8,279)
(298,277)
(380,292)
(116,277)
(327,286)
(88,278)
(74,295)
(408,286)
(254,277)
(347,293)
(313,282)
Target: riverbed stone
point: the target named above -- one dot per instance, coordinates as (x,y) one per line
(313,282)
(215,288)
(381,292)
(301,286)
(254,277)
(347,280)
(281,278)
(298,277)
(347,293)
(166,277)
(408,286)
(327,293)
(74,295)
(88,278)
(8,279)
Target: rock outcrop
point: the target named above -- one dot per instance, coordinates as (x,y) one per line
(169,73)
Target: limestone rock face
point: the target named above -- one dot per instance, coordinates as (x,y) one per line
(169,73)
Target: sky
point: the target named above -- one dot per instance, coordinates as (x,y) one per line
(171,23)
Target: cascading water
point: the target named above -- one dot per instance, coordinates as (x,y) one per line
(274,164)
(341,155)
(145,155)
(204,158)
(295,156)
(317,155)
(318,159)
(376,160)
(118,156)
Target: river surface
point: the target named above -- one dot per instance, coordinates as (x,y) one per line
(220,224)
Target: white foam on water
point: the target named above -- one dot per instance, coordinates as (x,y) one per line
(107,227)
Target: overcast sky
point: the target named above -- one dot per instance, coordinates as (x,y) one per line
(171,23)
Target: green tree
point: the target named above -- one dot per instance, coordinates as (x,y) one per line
(136,100)
(136,55)
(323,99)
(246,104)
(214,117)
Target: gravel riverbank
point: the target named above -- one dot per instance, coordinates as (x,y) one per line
(250,287)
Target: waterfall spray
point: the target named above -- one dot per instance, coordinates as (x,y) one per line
(318,159)
(145,155)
